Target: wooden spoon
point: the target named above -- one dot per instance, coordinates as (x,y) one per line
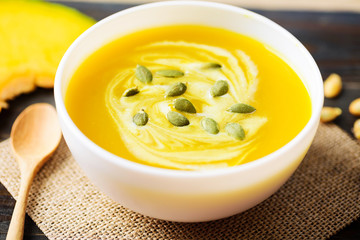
(35,135)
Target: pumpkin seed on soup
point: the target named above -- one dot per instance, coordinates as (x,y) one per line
(220,88)
(209,125)
(241,108)
(131,92)
(170,73)
(141,118)
(175,89)
(177,119)
(143,74)
(211,65)
(184,105)
(235,130)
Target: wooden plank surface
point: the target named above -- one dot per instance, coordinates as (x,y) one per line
(308,5)
(333,38)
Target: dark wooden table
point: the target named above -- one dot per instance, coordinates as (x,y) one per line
(332,38)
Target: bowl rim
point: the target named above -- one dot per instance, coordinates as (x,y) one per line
(174,173)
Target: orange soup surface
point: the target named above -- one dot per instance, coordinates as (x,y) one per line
(187,97)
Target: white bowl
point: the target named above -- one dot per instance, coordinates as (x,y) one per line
(189,196)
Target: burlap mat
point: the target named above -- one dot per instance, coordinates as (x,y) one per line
(319,199)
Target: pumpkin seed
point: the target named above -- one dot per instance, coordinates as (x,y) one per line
(211,65)
(170,73)
(241,108)
(176,89)
(235,130)
(184,105)
(141,118)
(177,119)
(209,125)
(220,88)
(143,74)
(329,114)
(332,85)
(131,92)
(354,107)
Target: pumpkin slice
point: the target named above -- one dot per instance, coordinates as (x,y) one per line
(34,37)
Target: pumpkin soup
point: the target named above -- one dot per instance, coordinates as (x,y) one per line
(187,97)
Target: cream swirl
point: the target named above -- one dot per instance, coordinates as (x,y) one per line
(190,148)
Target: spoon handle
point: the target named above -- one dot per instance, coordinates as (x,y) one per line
(16,228)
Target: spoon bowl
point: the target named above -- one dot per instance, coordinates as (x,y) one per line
(34,137)
(35,134)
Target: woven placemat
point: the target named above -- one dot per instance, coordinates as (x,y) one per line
(322,197)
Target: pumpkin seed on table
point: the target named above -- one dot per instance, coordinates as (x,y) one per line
(220,88)
(241,108)
(184,105)
(332,85)
(170,73)
(356,129)
(329,114)
(176,89)
(131,92)
(354,107)
(177,119)
(143,74)
(211,65)
(235,130)
(209,125)
(141,118)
